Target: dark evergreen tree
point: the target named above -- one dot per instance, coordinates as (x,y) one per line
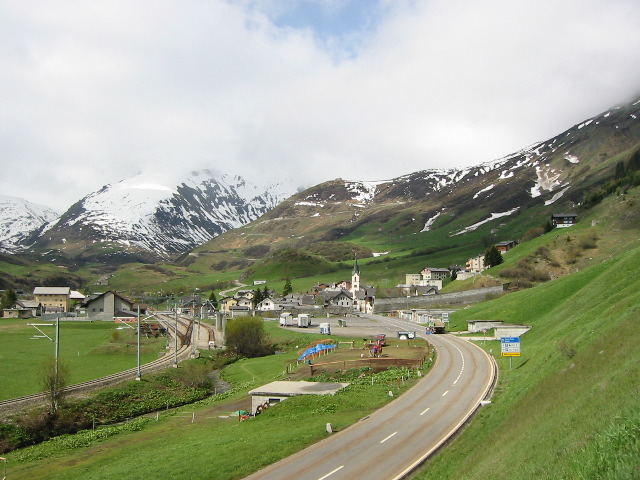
(213,300)
(257,297)
(287,287)
(492,256)
(8,299)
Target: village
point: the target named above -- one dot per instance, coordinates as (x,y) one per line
(339,298)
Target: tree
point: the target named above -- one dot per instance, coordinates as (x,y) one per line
(246,336)
(55,377)
(492,256)
(257,297)
(287,287)
(213,300)
(8,299)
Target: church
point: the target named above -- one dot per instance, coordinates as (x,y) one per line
(363,295)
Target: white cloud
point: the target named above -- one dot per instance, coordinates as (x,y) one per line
(93,92)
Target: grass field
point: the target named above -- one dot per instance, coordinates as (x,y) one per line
(90,350)
(216,445)
(570,407)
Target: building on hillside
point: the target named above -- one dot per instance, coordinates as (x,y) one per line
(430,273)
(562,220)
(476,264)
(505,246)
(53,299)
(109,305)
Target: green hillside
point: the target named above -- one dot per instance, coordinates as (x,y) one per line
(570,407)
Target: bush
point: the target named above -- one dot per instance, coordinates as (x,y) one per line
(246,336)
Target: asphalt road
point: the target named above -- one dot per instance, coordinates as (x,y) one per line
(394,440)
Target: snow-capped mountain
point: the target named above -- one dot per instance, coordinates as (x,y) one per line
(149,216)
(20,221)
(553,175)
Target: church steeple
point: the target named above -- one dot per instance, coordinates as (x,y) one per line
(355,277)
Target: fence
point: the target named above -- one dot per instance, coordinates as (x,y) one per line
(376,364)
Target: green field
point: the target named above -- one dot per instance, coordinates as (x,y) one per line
(216,445)
(90,350)
(570,406)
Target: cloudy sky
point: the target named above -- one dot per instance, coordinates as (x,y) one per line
(94,92)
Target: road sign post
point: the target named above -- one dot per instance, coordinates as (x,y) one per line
(510,347)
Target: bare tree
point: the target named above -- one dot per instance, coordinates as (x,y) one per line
(55,377)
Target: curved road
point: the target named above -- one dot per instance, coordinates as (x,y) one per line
(394,440)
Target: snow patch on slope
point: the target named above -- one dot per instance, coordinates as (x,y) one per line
(547,180)
(492,217)
(427,225)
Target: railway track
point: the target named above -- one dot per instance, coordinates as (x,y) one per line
(172,357)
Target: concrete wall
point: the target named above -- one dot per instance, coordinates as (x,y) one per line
(468,296)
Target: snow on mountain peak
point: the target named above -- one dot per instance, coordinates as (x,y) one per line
(18,219)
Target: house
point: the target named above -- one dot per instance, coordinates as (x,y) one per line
(562,220)
(476,264)
(53,299)
(342,299)
(244,302)
(503,247)
(266,305)
(35,307)
(226,303)
(248,294)
(109,305)
(435,273)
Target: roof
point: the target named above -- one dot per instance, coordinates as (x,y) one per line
(28,303)
(52,290)
(432,269)
(90,299)
(290,389)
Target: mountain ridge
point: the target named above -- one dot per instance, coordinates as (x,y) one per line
(141,218)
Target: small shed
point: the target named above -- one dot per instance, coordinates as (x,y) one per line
(276,392)
(16,313)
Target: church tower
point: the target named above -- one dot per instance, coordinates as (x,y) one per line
(355,278)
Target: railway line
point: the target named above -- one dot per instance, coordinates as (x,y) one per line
(179,327)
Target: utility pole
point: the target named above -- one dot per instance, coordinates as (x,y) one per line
(175,340)
(139,373)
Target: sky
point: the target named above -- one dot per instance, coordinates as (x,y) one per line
(312,90)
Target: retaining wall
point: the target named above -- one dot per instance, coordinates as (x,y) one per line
(383,305)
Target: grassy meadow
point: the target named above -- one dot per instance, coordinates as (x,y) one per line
(216,445)
(90,350)
(569,408)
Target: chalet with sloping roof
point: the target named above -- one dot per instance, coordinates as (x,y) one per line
(109,305)
(562,220)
